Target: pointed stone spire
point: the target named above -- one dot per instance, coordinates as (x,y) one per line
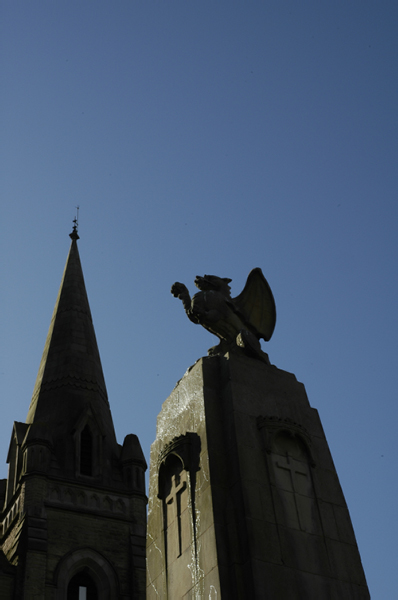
(70,378)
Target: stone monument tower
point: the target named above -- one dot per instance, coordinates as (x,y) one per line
(73,516)
(244,499)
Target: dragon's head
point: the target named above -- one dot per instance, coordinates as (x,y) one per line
(212,282)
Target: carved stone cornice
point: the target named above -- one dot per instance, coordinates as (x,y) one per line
(187,447)
(270,426)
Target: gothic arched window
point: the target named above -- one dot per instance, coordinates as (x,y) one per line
(85,575)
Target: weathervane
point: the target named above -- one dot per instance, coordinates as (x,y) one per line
(74,235)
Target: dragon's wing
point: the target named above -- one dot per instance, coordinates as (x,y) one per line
(257,305)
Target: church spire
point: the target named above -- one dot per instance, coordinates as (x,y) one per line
(74,504)
(70,377)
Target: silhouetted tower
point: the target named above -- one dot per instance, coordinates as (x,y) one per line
(74,502)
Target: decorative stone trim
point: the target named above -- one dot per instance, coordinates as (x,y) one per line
(92,501)
(270,426)
(186,447)
(71,380)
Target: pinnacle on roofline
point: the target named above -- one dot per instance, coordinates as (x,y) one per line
(74,235)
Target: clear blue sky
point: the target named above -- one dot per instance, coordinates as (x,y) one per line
(212,137)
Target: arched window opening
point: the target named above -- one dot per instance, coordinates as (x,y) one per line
(179,465)
(86,452)
(85,575)
(82,587)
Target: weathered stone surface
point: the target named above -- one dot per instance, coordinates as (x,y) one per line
(267,515)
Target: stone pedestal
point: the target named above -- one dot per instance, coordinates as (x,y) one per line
(244,499)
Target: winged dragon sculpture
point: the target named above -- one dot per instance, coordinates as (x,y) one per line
(237,322)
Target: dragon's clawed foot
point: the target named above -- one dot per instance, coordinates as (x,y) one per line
(179,290)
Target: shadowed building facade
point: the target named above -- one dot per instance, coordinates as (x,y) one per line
(244,498)
(74,504)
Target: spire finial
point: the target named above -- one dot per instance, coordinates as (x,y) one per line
(74,235)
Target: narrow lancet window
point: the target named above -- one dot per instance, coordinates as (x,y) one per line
(86,452)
